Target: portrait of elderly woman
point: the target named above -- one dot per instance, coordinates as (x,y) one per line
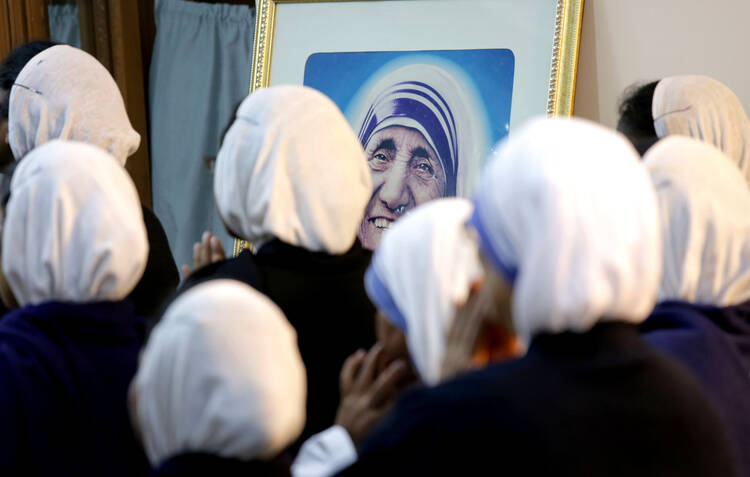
(425,120)
(417,135)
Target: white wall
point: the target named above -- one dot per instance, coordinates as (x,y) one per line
(636,40)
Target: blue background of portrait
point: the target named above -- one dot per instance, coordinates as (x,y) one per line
(341,75)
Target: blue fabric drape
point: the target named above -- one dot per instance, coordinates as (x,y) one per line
(200,71)
(63,24)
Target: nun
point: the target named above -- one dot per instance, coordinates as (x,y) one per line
(73,248)
(703,319)
(291,179)
(707,110)
(221,385)
(421,142)
(580,257)
(62,92)
(11,66)
(433,247)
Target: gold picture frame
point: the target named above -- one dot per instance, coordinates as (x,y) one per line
(563,68)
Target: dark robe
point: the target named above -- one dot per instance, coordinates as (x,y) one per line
(208,465)
(714,343)
(323,296)
(64,375)
(643,144)
(161,277)
(602,403)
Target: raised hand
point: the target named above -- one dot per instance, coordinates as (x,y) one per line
(366,395)
(209,250)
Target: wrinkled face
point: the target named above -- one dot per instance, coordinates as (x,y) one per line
(406,172)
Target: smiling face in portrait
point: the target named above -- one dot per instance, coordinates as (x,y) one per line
(406,172)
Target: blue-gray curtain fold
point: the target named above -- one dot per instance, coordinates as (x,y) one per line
(64,26)
(200,71)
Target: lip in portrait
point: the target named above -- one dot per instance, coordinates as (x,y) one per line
(426,121)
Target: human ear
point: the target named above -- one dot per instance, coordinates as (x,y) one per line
(497,344)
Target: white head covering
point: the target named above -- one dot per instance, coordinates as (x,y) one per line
(221,374)
(705,109)
(74,227)
(705,214)
(422,270)
(435,102)
(291,168)
(65,93)
(567,213)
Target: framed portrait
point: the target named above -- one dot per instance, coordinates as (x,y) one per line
(448,79)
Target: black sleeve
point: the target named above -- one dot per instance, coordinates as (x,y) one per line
(11,416)
(161,277)
(453,429)
(406,442)
(241,268)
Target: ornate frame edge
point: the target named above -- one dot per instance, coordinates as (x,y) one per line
(565,52)
(265,12)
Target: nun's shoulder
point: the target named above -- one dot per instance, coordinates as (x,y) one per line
(485,386)
(19,357)
(20,341)
(674,310)
(241,268)
(485,383)
(432,429)
(12,405)
(16,330)
(670,316)
(464,402)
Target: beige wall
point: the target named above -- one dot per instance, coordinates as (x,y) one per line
(636,40)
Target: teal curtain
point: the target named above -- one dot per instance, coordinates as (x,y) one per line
(63,24)
(200,71)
